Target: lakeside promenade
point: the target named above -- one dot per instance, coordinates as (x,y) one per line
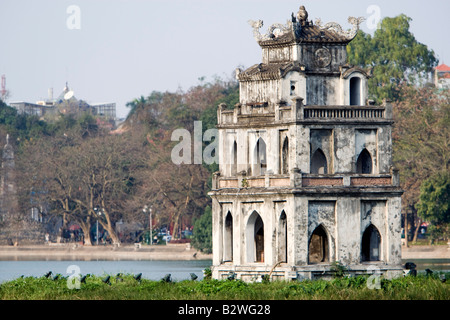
(158,252)
(102,252)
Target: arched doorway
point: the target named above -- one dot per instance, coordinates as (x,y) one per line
(260,157)
(234,159)
(371,244)
(282,238)
(364,162)
(318,251)
(228,238)
(255,238)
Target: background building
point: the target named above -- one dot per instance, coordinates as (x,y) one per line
(65,103)
(442,76)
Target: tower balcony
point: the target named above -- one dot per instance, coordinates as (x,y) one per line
(299,179)
(264,113)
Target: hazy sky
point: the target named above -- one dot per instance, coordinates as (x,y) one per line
(117,50)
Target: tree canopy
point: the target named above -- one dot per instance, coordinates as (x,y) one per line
(434,204)
(394,55)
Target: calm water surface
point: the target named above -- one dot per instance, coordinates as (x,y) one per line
(153,270)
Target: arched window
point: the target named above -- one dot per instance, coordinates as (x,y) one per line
(255,238)
(260,157)
(282,238)
(285,157)
(228,238)
(319,162)
(370,245)
(234,159)
(364,162)
(318,246)
(355,91)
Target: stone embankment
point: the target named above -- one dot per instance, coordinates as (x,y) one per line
(123,252)
(426,252)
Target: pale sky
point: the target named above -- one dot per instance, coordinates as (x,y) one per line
(118,50)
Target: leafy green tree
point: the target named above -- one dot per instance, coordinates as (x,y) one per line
(202,238)
(434,204)
(394,55)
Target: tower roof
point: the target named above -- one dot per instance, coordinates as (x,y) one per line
(301,30)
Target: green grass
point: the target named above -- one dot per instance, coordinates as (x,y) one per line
(405,288)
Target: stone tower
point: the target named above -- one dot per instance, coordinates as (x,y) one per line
(305,175)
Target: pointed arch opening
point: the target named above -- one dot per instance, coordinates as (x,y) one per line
(282,238)
(228,238)
(355,91)
(285,157)
(319,162)
(260,157)
(371,244)
(364,162)
(255,238)
(318,251)
(234,159)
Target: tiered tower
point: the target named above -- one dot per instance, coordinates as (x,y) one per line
(305,174)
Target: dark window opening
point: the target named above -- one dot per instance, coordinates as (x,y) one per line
(319,163)
(255,238)
(261,157)
(370,246)
(355,91)
(318,246)
(364,162)
(285,157)
(259,239)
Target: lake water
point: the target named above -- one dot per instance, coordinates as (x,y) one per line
(153,270)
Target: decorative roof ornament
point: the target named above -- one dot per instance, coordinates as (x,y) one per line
(298,28)
(336,27)
(302,15)
(276,30)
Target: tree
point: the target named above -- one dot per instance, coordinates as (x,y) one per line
(178,193)
(434,204)
(394,55)
(202,237)
(421,138)
(86,175)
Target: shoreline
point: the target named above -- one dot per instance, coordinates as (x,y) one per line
(125,252)
(159,252)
